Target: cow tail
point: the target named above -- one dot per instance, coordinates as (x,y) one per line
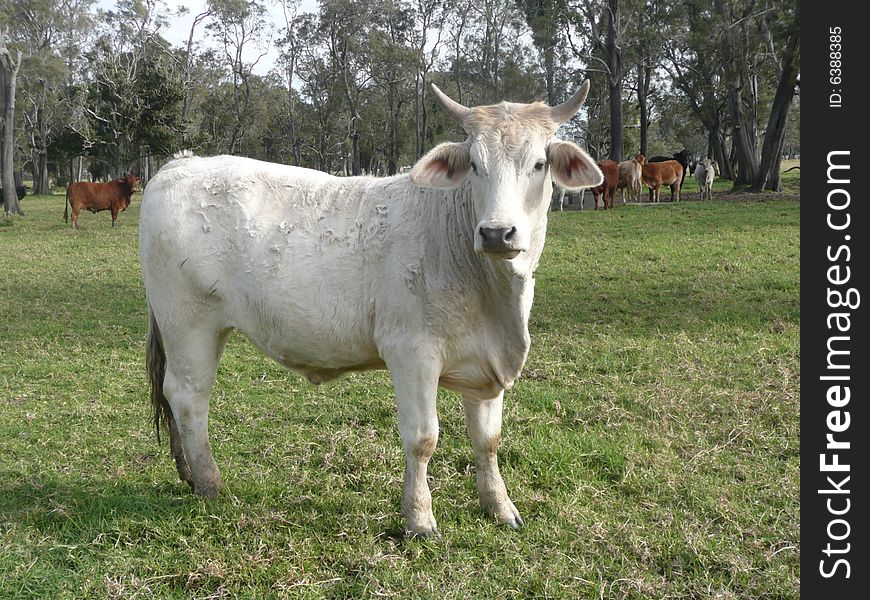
(66,207)
(155,362)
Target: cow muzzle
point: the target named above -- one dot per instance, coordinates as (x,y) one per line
(501,242)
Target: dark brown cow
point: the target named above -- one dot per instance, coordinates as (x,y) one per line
(95,197)
(607,189)
(657,174)
(20,191)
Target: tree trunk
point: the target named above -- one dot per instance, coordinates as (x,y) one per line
(719,153)
(774,137)
(188,75)
(8,75)
(644,76)
(613,55)
(742,127)
(616,138)
(40,154)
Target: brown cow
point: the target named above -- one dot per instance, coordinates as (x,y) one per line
(610,169)
(95,197)
(655,175)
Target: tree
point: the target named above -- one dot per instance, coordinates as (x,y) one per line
(607,36)
(544,18)
(345,25)
(741,83)
(8,78)
(188,70)
(238,25)
(774,135)
(430,15)
(392,61)
(694,61)
(45,28)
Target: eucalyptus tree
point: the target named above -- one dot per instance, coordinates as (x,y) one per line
(544,18)
(189,66)
(9,67)
(288,62)
(322,136)
(53,34)
(345,25)
(393,64)
(37,31)
(783,36)
(495,30)
(429,17)
(606,28)
(737,27)
(692,56)
(240,28)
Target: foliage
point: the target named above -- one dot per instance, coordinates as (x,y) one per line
(349,90)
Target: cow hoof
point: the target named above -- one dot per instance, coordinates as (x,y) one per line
(515,522)
(423,527)
(431,534)
(509,516)
(209,491)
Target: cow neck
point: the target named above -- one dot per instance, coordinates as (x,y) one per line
(506,291)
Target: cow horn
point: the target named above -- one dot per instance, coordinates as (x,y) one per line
(563,112)
(456,110)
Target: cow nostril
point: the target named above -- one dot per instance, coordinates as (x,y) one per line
(496,237)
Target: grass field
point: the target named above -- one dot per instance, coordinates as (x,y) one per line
(651,445)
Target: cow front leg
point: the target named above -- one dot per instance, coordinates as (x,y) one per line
(483,421)
(416,383)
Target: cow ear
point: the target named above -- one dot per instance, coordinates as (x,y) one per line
(571,167)
(445,166)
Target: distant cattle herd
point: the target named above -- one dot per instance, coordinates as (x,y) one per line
(628,176)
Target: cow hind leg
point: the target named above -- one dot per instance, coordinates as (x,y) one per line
(483,422)
(156,365)
(191,365)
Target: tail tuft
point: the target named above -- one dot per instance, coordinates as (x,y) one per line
(155,362)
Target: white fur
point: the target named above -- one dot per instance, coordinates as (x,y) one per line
(630,179)
(705,174)
(328,275)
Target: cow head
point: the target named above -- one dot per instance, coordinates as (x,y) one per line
(510,156)
(130,181)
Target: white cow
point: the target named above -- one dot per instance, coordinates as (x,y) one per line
(428,274)
(705,173)
(630,178)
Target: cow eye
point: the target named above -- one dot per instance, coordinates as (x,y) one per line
(539,166)
(474,167)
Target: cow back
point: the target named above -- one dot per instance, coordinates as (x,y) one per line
(662,173)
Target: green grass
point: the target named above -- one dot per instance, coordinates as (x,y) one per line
(651,445)
(790,183)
